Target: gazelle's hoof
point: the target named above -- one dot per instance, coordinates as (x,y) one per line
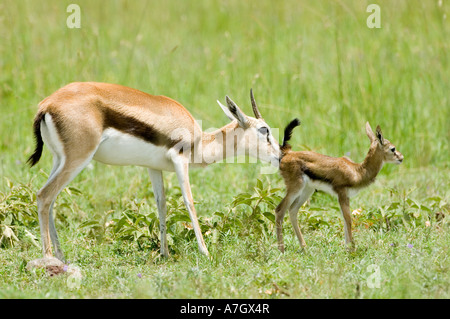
(351,248)
(204,251)
(52,265)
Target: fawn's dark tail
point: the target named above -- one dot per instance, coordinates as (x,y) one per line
(34,158)
(288,133)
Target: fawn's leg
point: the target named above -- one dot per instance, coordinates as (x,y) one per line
(344,202)
(292,192)
(299,201)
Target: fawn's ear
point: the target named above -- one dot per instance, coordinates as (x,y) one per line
(369,132)
(379,135)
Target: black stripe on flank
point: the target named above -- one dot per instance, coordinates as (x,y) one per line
(139,129)
(316,177)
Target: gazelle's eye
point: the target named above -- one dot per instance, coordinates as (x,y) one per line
(393,149)
(263,130)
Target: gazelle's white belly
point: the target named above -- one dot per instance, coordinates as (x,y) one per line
(117,148)
(321,186)
(327,188)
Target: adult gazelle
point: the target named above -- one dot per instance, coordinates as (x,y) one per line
(117,125)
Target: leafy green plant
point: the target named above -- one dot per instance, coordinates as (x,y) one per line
(18,214)
(404,212)
(409,212)
(255,209)
(139,222)
(135,223)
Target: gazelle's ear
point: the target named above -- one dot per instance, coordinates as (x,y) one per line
(237,113)
(379,135)
(226,111)
(369,132)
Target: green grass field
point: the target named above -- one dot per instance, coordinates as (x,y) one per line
(315,60)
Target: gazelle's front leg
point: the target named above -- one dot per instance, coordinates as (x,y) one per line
(181,165)
(344,202)
(160,197)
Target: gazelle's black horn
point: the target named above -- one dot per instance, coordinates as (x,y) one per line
(254,106)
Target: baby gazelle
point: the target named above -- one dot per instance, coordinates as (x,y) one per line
(305,172)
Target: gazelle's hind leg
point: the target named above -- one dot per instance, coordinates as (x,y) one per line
(68,161)
(299,201)
(293,190)
(46,198)
(57,165)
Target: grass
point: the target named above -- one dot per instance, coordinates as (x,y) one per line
(314,60)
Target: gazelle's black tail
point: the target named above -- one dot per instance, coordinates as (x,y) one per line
(288,133)
(34,158)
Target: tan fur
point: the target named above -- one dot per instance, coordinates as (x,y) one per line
(80,106)
(303,172)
